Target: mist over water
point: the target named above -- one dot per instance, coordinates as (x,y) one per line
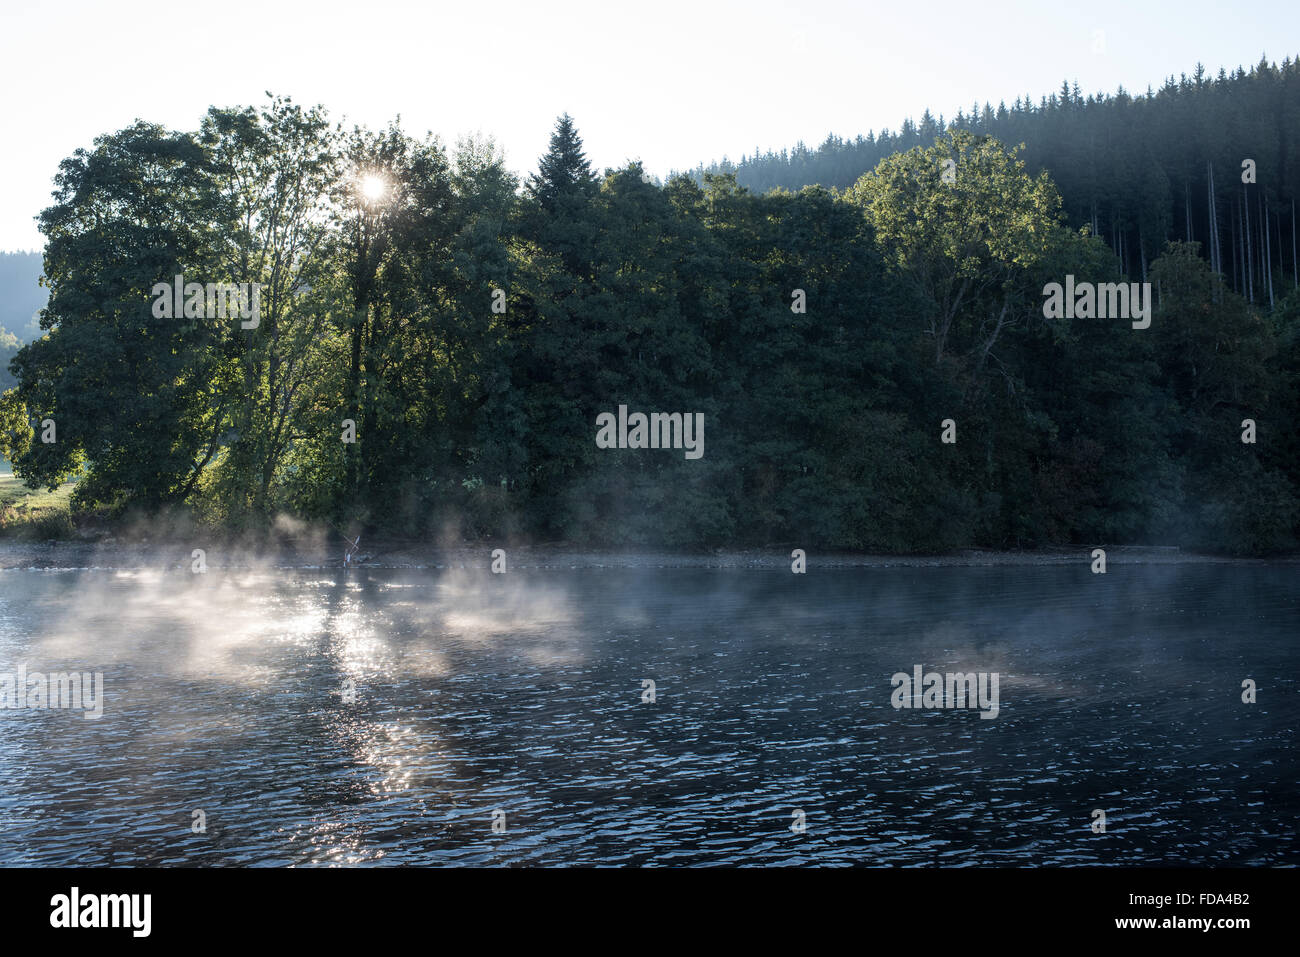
(522,693)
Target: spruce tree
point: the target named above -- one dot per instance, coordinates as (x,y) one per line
(563,172)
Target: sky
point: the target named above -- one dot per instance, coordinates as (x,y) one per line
(671,84)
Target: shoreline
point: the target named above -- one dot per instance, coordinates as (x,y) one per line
(398,555)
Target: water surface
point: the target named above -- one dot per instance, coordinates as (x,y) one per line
(522,694)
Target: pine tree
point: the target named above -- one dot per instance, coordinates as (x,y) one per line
(563,173)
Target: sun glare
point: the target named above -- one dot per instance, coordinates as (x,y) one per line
(373,187)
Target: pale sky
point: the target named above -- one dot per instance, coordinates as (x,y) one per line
(670,84)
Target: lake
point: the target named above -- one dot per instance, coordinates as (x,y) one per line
(452,716)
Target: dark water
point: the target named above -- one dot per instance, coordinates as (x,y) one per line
(522,693)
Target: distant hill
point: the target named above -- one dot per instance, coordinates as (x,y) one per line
(21,299)
(21,296)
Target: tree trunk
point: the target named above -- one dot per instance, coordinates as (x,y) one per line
(1268,252)
(1295,273)
(1250,264)
(1236,250)
(1209,188)
(1281,263)
(354,394)
(1231,235)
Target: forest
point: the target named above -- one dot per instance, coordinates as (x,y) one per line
(862,328)
(1137,170)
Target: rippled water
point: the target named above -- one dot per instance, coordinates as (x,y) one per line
(522,693)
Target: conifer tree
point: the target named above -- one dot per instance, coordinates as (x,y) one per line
(563,172)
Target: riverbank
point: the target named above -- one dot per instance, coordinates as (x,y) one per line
(396,554)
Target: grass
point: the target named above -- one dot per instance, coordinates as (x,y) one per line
(34,513)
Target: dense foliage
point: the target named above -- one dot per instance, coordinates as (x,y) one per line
(472,328)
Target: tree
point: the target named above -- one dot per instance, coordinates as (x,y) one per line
(972,246)
(563,174)
(131,393)
(1215,354)
(275,167)
(395,221)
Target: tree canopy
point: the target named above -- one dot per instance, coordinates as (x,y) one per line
(436,340)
